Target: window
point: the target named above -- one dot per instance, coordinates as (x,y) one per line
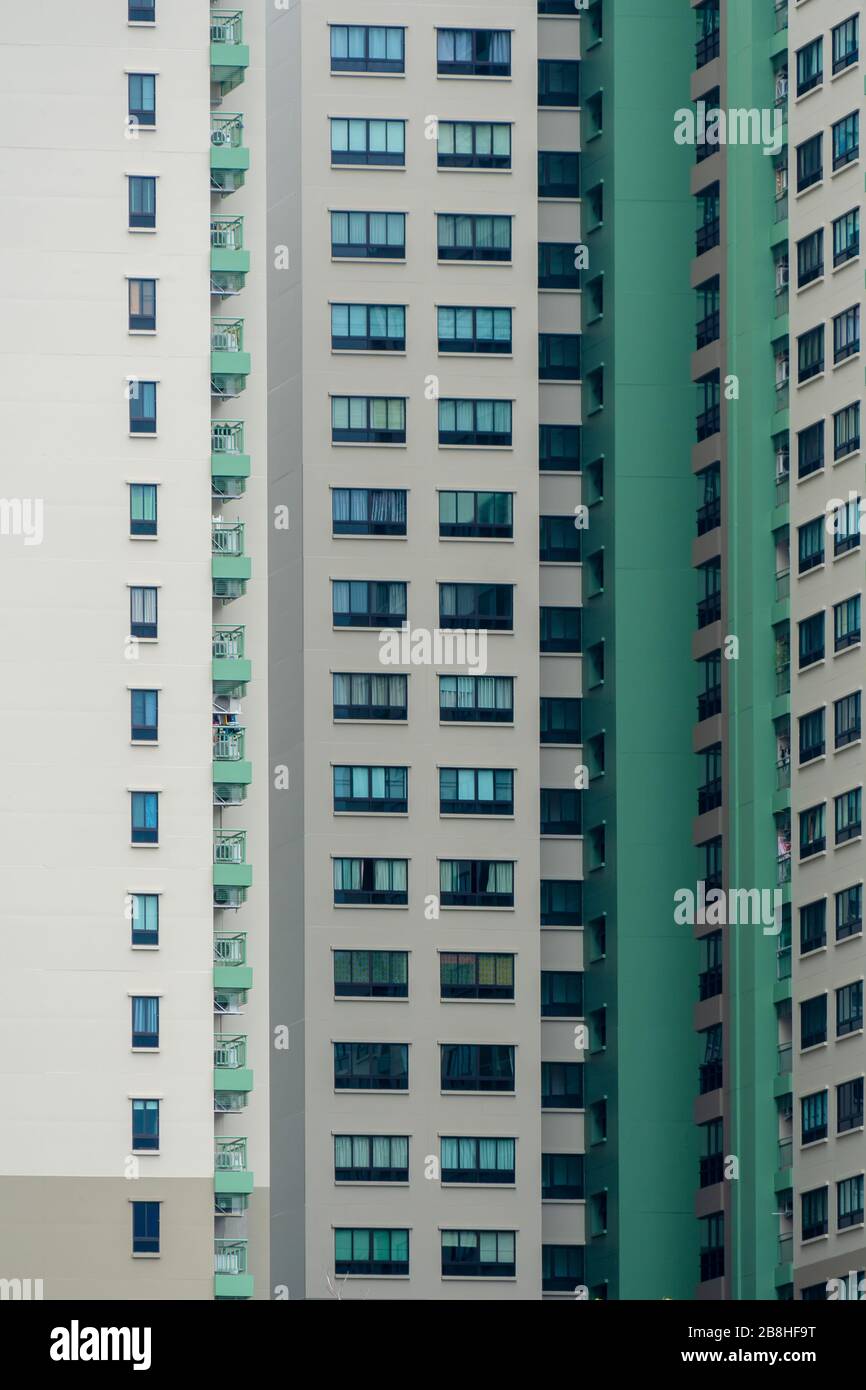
(142,406)
(476,699)
(712,1162)
(478,1255)
(707,203)
(849,816)
(142,201)
(846,431)
(468,1160)
(361,695)
(476,975)
(810,449)
(368,236)
(142,98)
(813,839)
(145,1126)
(813,1211)
(846,718)
(366,789)
(849,1009)
(559,540)
(559,356)
(144,716)
(846,623)
(145,919)
(562,1268)
(562,1085)
(561,902)
(846,334)
(813,1118)
(811,638)
(145,1021)
(363,511)
(467,330)
(809,162)
(476,791)
(562,1178)
(142,11)
(810,258)
(142,305)
(813,1021)
(849,912)
(368,603)
(810,60)
(712,1263)
(708,420)
(474,145)
(559,448)
(810,546)
(486,607)
(145,818)
(476,882)
(145,1228)
(562,994)
(707,46)
(371,1158)
(368,327)
(365,1066)
(368,142)
(371,974)
(846,140)
(813,926)
(475,423)
(810,353)
(710,1070)
(846,44)
(473,237)
(558,174)
(846,237)
(849,1106)
(382,882)
(560,811)
(473,52)
(849,1202)
(560,720)
(142,509)
(371,1251)
(560,630)
(558,82)
(556,266)
(368,420)
(367,48)
(483,515)
(476,1067)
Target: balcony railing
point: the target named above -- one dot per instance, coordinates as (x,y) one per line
(709,516)
(783,577)
(227,335)
(228,744)
(712,1169)
(710,982)
(226,26)
(781,15)
(709,1077)
(707,236)
(227,233)
(786,1153)
(227,643)
(784,1058)
(227,537)
(783,678)
(230,847)
(783,774)
(707,329)
(226,132)
(780,212)
(709,610)
(783,963)
(230,1155)
(783,868)
(230,948)
(230,1256)
(230,1050)
(710,702)
(708,422)
(786,1250)
(227,436)
(709,796)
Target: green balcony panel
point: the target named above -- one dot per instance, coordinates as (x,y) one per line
(230,465)
(784,1275)
(782,1085)
(231,566)
(233,977)
(240,771)
(230,364)
(228,63)
(233,1180)
(784,1180)
(229,262)
(781,991)
(233,1079)
(233,1285)
(232,875)
(230,675)
(229,159)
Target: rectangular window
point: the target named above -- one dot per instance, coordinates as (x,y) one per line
(810,353)
(846,624)
(145,1126)
(145,1021)
(846,527)
(562,1085)
(363,511)
(558,174)
(143,612)
(813,1021)
(476,883)
(562,1268)
(371,1158)
(380,882)
(813,838)
(476,791)
(482,515)
(145,1228)
(810,258)
(142,305)
(559,82)
(367,789)
(809,162)
(849,1106)
(367,48)
(473,237)
(846,334)
(468,330)
(363,141)
(476,1067)
(561,902)
(142,99)
(810,61)
(562,994)
(142,406)
(846,431)
(560,630)
(846,140)
(362,695)
(846,44)
(373,1251)
(813,926)
(559,356)
(475,424)
(813,1209)
(468,1160)
(474,145)
(849,1009)
(368,236)
(476,699)
(368,327)
(846,237)
(473,52)
(560,719)
(556,266)
(368,603)
(368,420)
(145,817)
(813,1118)
(561,812)
(365,1066)
(810,449)
(846,718)
(711,1069)
(849,1202)
(478,1254)
(849,912)
(708,418)
(145,919)
(144,715)
(849,815)
(559,448)
(562,1178)
(142,509)
(142,201)
(475,975)
(485,607)
(371,974)
(810,544)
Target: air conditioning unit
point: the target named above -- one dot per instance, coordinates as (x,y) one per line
(782,275)
(781,87)
(222,342)
(786,1108)
(227,589)
(229,897)
(220,137)
(228,794)
(782,366)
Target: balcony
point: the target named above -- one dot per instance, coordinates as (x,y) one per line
(783,577)
(230,868)
(781,22)
(229,157)
(230,969)
(712,1264)
(710,983)
(709,1077)
(783,963)
(231,1279)
(709,610)
(709,516)
(707,329)
(709,796)
(708,423)
(229,55)
(229,364)
(230,669)
(712,1169)
(232,772)
(783,1065)
(229,261)
(783,774)
(783,678)
(230,567)
(229,465)
(710,702)
(708,235)
(783,868)
(231,1072)
(231,1174)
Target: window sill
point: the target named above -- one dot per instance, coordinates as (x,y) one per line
(370,999)
(855,743)
(373,723)
(146,1255)
(146,1153)
(479,261)
(485,1002)
(142,332)
(142,231)
(364,444)
(472,77)
(813,91)
(843,458)
(816,951)
(804,289)
(479,1187)
(804,192)
(852,260)
(359,1182)
(337,536)
(855,1033)
(477,448)
(807,477)
(816,1047)
(819,376)
(369,260)
(143,538)
(476,724)
(367,907)
(813,569)
(813,665)
(145,1051)
(341,72)
(368,352)
(473,1095)
(447,169)
(855,840)
(376,815)
(135,845)
(843,1133)
(811,858)
(843,168)
(815,1143)
(854,936)
(475,356)
(485,540)
(141,947)
(466,908)
(854,647)
(141,434)
(371,168)
(855,357)
(471,815)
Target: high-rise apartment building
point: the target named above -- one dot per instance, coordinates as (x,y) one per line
(432,478)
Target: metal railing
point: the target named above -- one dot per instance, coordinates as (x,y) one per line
(783,577)
(781,15)
(783,869)
(227,131)
(783,774)
(227,26)
(227,537)
(230,1050)
(227,436)
(228,743)
(784,1060)
(230,948)
(227,233)
(780,212)
(227,335)
(783,963)
(227,643)
(786,1250)
(786,1152)
(230,1155)
(230,847)
(230,1256)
